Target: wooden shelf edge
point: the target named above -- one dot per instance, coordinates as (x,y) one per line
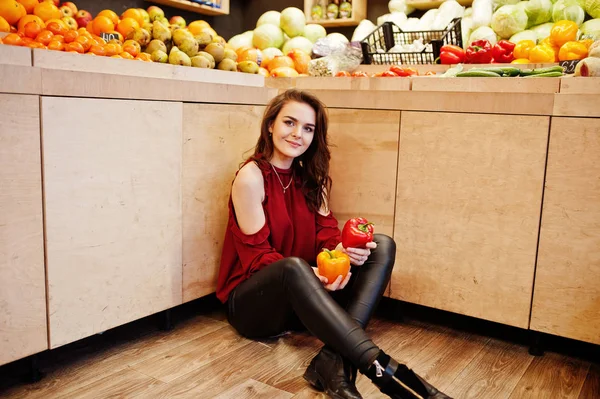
(193,7)
(333,23)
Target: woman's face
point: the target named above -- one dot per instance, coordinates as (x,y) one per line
(292,132)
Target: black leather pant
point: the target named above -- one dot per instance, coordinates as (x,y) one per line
(267,303)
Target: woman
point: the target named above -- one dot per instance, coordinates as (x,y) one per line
(278,222)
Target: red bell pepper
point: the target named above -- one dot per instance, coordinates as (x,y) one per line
(450,54)
(479,52)
(403,71)
(357,232)
(503,51)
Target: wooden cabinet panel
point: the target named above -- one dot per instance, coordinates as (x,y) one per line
(217,138)
(364,160)
(566,299)
(467,212)
(112,172)
(22,278)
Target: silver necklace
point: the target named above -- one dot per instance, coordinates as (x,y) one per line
(280,182)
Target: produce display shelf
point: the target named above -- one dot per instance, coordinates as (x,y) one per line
(430,4)
(359,12)
(195,7)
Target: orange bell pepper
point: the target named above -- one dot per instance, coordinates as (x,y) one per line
(563,31)
(542,54)
(521,61)
(522,49)
(572,51)
(586,42)
(332,264)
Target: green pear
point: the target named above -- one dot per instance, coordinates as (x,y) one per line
(142,36)
(203,39)
(216,50)
(156,45)
(178,57)
(247,66)
(200,62)
(160,32)
(159,56)
(189,46)
(227,65)
(179,35)
(209,58)
(232,55)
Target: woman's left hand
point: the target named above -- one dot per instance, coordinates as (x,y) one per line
(358,256)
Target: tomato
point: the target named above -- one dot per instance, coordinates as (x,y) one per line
(360,74)
(388,74)
(400,71)
(342,74)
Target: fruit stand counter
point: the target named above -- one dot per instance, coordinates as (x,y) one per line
(131,169)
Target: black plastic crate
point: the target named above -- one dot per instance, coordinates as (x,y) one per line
(389,34)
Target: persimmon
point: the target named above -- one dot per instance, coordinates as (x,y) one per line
(126,55)
(98,50)
(85,42)
(74,47)
(56,45)
(57,28)
(32,29)
(13,39)
(71,36)
(44,37)
(113,49)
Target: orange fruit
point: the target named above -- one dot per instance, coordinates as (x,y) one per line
(44,37)
(98,50)
(47,10)
(26,40)
(36,45)
(110,14)
(99,40)
(32,29)
(13,39)
(113,49)
(4,25)
(56,45)
(135,14)
(128,48)
(29,5)
(56,28)
(59,38)
(74,46)
(144,57)
(30,18)
(197,26)
(71,35)
(102,24)
(11,11)
(126,55)
(127,25)
(85,42)
(116,56)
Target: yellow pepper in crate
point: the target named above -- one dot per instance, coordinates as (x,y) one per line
(522,49)
(572,51)
(586,42)
(542,54)
(563,31)
(521,61)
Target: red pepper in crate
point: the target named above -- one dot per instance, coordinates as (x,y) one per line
(403,71)
(503,52)
(450,54)
(479,52)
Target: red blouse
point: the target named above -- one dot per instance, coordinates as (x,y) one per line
(291,229)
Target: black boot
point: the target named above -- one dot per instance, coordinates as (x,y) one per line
(330,373)
(399,382)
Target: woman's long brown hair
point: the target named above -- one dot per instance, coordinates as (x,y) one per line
(312,166)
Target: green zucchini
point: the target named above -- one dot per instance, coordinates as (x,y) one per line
(502,71)
(545,75)
(477,73)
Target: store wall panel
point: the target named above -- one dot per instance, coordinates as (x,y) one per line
(22,277)
(112,178)
(566,299)
(468,211)
(216,139)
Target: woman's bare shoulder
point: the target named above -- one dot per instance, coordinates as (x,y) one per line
(249,181)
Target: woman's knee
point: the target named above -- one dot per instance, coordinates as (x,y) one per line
(296,267)
(385,244)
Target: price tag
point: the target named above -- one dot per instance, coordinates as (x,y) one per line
(109,36)
(569,65)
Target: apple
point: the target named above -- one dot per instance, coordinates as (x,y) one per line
(82,18)
(71,23)
(145,15)
(155,13)
(177,20)
(72,6)
(66,11)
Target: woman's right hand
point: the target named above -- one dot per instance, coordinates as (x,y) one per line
(338,284)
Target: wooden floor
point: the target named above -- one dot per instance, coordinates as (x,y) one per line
(203,357)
